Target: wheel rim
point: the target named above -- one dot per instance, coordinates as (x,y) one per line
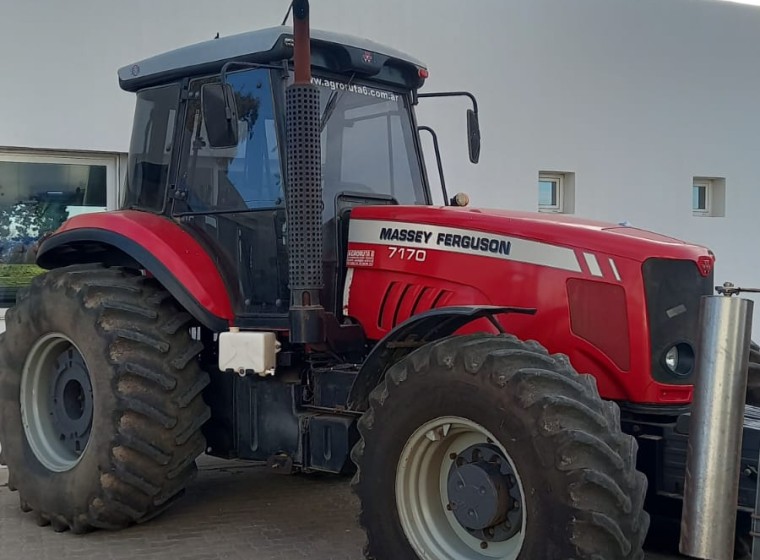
(450,461)
(56,402)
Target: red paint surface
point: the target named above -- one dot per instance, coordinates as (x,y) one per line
(391,289)
(171,245)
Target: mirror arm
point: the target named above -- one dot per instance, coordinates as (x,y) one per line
(438,160)
(453,94)
(473,126)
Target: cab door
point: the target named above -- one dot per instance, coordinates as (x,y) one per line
(233,198)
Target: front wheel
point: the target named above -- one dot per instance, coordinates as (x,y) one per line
(485,447)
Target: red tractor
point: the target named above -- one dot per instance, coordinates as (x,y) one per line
(279,288)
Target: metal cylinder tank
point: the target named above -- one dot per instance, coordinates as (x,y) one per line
(708,522)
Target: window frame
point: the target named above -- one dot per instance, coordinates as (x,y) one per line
(114,162)
(707,184)
(178,208)
(110,160)
(559,179)
(176,127)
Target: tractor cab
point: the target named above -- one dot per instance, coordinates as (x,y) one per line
(208,149)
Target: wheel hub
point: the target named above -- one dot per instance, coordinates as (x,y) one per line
(71,400)
(56,402)
(483,494)
(448,467)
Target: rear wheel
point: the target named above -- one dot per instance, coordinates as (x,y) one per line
(100,398)
(485,447)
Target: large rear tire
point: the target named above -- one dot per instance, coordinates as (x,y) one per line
(484,447)
(100,398)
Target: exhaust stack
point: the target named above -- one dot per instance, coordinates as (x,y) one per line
(304,174)
(708,521)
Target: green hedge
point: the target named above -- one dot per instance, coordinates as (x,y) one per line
(17,275)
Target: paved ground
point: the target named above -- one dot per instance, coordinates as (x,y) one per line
(232,512)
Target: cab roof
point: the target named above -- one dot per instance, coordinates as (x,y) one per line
(332,51)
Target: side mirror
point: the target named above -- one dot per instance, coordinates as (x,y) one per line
(473,135)
(473,124)
(220,115)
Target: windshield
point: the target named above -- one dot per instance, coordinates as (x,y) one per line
(368,144)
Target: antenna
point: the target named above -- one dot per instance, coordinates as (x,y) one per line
(287,14)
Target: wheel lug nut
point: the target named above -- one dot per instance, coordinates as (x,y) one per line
(452,456)
(449,507)
(484,545)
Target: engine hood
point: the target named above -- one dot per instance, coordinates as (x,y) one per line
(556,229)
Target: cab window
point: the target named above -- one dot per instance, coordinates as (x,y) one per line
(245,177)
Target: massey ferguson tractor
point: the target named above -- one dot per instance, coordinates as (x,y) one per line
(278,287)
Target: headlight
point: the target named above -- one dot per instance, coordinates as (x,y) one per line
(679,358)
(671,359)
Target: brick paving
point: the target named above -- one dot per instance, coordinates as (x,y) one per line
(232,511)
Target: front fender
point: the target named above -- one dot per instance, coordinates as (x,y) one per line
(149,241)
(411,334)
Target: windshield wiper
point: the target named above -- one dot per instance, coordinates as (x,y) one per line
(332,102)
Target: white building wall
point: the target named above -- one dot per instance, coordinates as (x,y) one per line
(635,98)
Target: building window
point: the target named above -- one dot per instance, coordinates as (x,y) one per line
(700,197)
(38,192)
(556,192)
(708,196)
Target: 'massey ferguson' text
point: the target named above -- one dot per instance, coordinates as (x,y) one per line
(475,243)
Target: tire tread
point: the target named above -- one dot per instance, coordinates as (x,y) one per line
(158,386)
(605,492)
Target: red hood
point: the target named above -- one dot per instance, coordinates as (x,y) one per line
(557,229)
